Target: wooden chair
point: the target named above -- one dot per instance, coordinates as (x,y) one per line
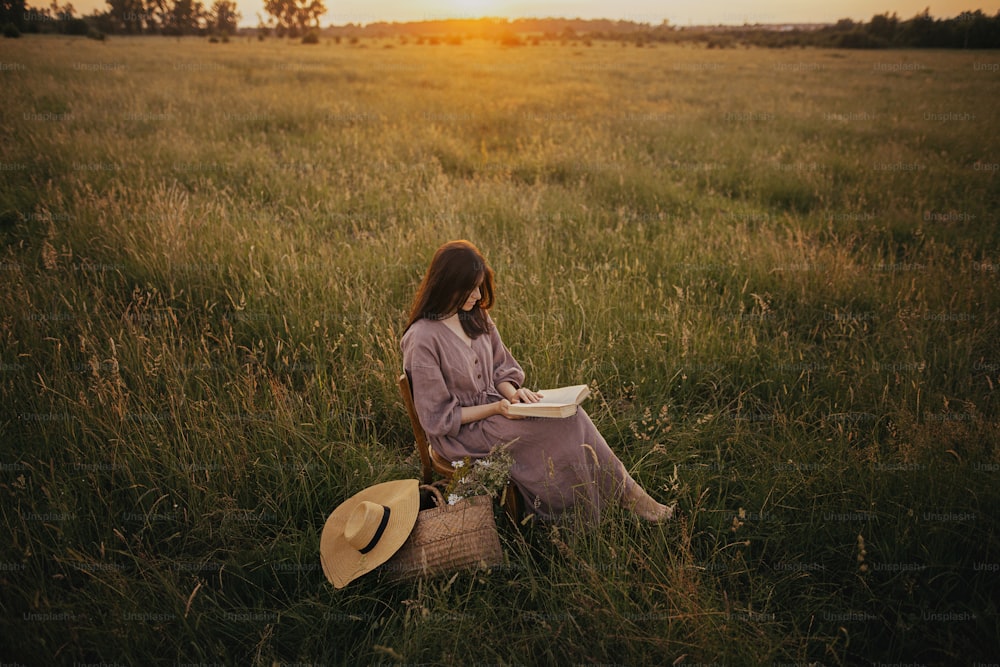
(431,462)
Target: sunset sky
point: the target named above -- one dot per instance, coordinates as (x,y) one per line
(680,13)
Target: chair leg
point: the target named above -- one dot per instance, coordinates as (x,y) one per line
(513,504)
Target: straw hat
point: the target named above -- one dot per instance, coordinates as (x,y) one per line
(367,529)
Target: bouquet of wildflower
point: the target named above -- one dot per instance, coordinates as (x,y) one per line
(477,477)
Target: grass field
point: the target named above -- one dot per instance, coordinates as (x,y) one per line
(778,269)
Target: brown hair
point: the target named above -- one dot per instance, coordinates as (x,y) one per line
(454,272)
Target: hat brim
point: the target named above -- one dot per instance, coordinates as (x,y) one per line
(341,562)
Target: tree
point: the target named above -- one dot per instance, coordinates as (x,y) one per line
(921,31)
(884,26)
(12,12)
(185,18)
(157,15)
(169,17)
(64,19)
(295,16)
(127,16)
(976,30)
(223,17)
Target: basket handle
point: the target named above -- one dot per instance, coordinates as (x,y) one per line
(437,494)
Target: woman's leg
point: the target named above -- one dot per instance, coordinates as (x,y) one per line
(560,463)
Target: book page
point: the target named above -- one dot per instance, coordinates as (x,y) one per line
(562,395)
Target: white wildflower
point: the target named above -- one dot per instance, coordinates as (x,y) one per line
(453,498)
(457,464)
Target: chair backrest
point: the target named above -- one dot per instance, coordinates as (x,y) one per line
(423,448)
(512,497)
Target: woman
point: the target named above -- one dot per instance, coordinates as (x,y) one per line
(465,379)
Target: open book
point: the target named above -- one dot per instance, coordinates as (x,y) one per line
(555,403)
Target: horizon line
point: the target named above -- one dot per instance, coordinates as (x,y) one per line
(459,18)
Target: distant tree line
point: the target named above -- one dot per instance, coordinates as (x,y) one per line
(968,30)
(293,18)
(158,17)
(125,17)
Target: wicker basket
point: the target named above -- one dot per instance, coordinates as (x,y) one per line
(448,538)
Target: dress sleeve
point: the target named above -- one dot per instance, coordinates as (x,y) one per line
(437,408)
(505,367)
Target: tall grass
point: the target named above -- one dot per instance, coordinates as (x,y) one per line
(778,270)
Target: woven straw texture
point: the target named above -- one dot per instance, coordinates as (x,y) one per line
(449,538)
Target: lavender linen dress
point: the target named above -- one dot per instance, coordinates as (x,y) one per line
(552,468)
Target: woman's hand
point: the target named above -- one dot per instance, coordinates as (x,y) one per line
(503,409)
(473,413)
(524,395)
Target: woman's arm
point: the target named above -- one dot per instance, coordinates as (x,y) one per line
(507,373)
(505,367)
(516,394)
(473,413)
(507,390)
